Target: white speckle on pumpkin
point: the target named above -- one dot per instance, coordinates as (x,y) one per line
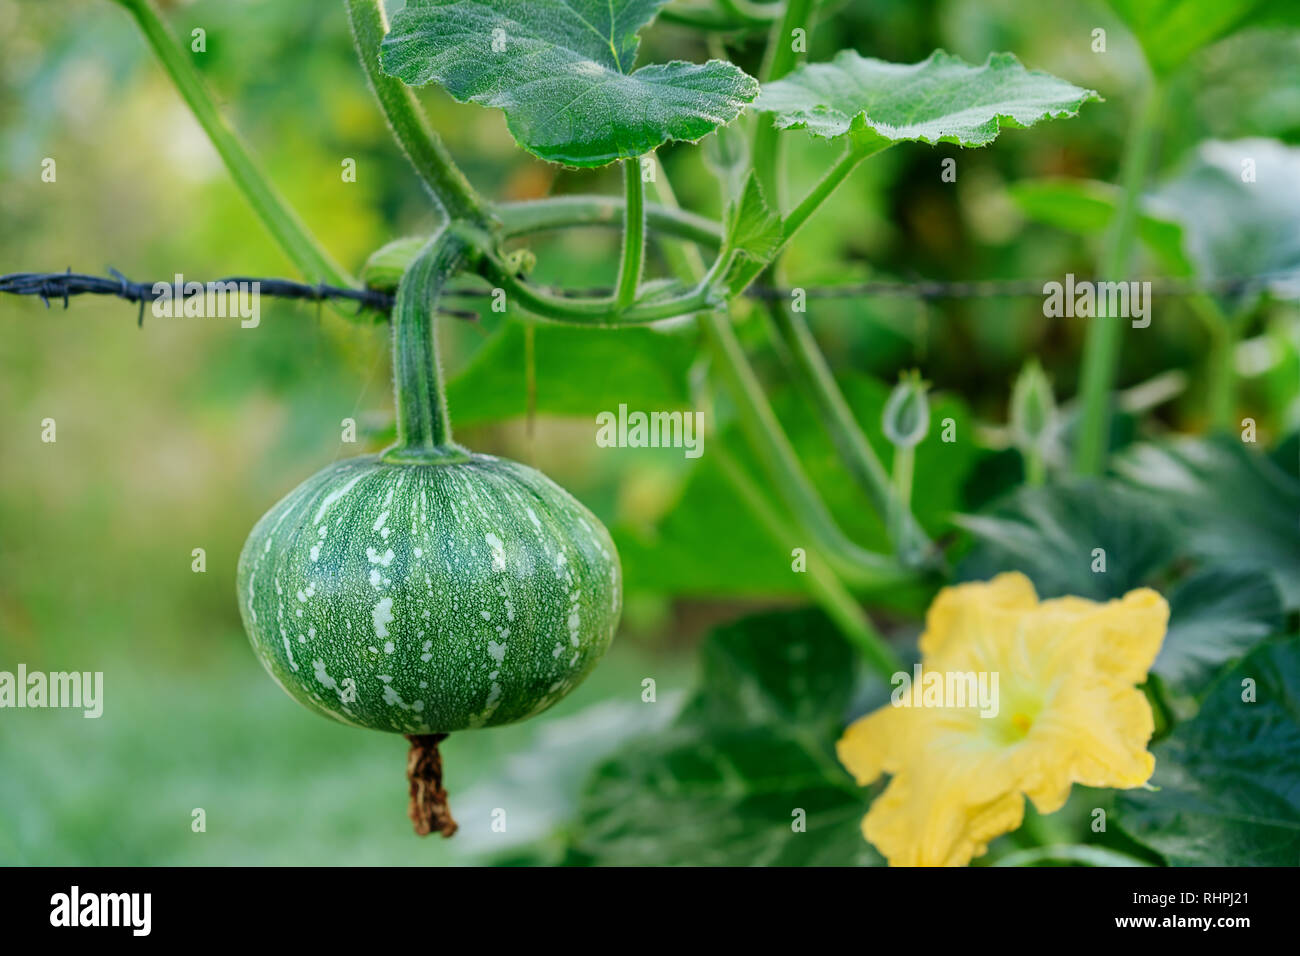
(322,676)
(498,551)
(382,615)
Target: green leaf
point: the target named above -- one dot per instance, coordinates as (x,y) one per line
(579,372)
(1051,533)
(1229,780)
(561,70)
(707,545)
(1170,31)
(1234,507)
(1216,616)
(753,234)
(942,99)
(1086,207)
(750,754)
(728,798)
(1232,227)
(768,670)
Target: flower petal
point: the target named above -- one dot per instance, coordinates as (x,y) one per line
(964,615)
(943,816)
(1118,638)
(1095,734)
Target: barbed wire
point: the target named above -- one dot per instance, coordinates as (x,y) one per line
(63,285)
(49,286)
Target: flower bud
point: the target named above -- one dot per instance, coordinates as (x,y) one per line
(906,418)
(1033,407)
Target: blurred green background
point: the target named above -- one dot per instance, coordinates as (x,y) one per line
(181,434)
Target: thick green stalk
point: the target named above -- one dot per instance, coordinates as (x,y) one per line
(633,260)
(855,564)
(856,453)
(531,216)
(410,126)
(821,192)
(846,434)
(423,428)
(524,218)
(601,312)
(826,587)
(1035,467)
(285,227)
(766,437)
(1102,344)
(901,502)
(780,60)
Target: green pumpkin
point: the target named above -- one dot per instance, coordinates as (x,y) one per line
(428,589)
(427,598)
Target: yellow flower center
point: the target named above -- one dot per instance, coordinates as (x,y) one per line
(1016,720)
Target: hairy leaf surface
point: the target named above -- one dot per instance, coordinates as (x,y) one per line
(562,71)
(942,99)
(1228,781)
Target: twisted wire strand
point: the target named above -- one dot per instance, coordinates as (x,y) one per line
(49,286)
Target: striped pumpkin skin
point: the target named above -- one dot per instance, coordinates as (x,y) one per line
(427,598)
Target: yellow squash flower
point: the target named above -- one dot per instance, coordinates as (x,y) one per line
(1067,712)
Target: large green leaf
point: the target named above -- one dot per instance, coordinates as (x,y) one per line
(1233,227)
(784,669)
(579,372)
(750,757)
(1229,780)
(1051,533)
(1235,507)
(1086,208)
(561,70)
(1216,615)
(1205,219)
(942,99)
(1170,31)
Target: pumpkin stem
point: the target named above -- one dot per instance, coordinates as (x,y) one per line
(428,808)
(423,428)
